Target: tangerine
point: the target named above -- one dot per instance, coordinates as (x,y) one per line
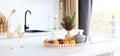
(45,41)
(71,41)
(66,42)
(56,42)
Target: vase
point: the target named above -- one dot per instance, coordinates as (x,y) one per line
(68,35)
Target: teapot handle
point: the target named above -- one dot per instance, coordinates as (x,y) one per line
(85,39)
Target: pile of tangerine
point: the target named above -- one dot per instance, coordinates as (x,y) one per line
(60,41)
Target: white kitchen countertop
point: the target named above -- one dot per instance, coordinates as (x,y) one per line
(33,47)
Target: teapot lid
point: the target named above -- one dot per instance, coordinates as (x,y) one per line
(77,35)
(80,34)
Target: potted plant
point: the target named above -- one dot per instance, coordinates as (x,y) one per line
(68,23)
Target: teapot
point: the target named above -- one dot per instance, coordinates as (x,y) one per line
(80,38)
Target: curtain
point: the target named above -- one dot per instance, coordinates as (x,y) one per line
(70,6)
(85,8)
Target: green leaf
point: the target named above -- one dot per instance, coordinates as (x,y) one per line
(73,17)
(67,19)
(72,26)
(65,14)
(63,25)
(71,22)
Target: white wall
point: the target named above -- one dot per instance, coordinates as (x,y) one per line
(43,12)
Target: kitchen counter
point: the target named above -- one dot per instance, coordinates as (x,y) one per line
(33,47)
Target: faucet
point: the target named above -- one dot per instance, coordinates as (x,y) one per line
(25,26)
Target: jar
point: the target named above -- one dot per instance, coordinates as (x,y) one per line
(80,38)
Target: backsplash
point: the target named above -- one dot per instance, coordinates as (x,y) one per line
(42,17)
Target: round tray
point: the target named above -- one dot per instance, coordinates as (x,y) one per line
(64,45)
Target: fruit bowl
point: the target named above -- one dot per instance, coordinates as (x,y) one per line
(62,43)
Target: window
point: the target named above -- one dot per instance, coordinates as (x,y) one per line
(105,22)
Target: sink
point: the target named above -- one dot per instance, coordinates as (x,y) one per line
(33,31)
(27,27)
